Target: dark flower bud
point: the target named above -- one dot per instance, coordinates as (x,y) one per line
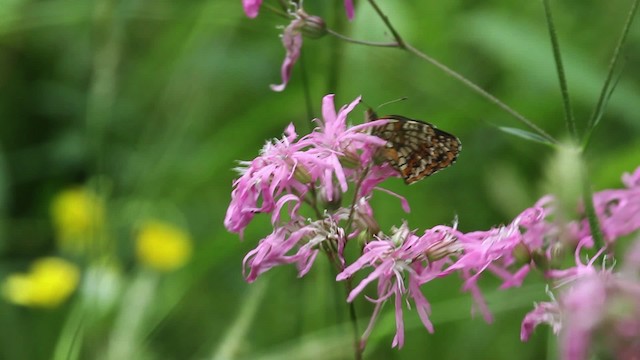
(314,27)
(333,203)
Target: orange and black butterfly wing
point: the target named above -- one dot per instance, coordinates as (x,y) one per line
(416,149)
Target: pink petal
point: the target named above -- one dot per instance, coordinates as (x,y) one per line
(328,109)
(251,7)
(348,7)
(292,41)
(398,340)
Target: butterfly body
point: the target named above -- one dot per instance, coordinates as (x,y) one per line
(416,149)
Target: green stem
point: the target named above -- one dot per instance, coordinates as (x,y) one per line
(564,89)
(275,10)
(312,200)
(468,83)
(109,29)
(348,285)
(355,200)
(480,91)
(353,317)
(354,323)
(307,92)
(127,333)
(592,218)
(233,341)
(70,339)
(387,22)
(604,93)
(337,50)
(361,42)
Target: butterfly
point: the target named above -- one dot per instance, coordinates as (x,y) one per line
(416,149)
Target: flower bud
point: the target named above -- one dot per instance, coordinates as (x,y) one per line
(367,221)
(400,234)
(314,27)
(349,160)
(364,218)
(332,204)
(563,181)
(447,247)
(302,174)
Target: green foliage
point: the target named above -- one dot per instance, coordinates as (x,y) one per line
(150,104)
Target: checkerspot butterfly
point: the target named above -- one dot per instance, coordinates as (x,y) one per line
(416,149)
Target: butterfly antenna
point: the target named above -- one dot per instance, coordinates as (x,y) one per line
(371,115)
(392,101)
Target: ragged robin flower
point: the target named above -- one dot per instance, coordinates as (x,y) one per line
(301,24)
(287,170)
(294,178)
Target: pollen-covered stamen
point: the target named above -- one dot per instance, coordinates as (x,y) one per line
(400,234)
(324,230)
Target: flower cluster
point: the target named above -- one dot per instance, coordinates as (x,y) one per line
(594,300)
(312,173)
(404,261)
(316,169)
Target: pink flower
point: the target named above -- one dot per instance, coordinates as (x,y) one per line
(282,166)
(319,232)
(292,41)
(334,141)
(294,243)
(618,210)
(546,312)
(287,169)
(272,251)
(632,180)
(583,306)
(596,309)
(577,272)
(251,7)
(602,311)
(495,250)
(396,260)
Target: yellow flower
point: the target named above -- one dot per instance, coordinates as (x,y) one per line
(49,282)
(78,215)
(162,246)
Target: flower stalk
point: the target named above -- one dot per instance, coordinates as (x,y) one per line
(606,90)
(564,89)
(402,44)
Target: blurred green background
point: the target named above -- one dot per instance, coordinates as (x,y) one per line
(144,107)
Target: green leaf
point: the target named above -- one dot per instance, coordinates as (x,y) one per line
(525,135)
